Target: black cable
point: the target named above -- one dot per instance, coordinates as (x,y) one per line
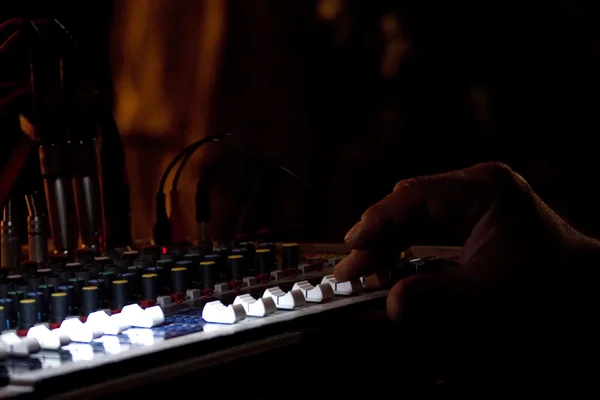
(248,153)
(66,31)
(216,140)
(162,229)
(162,232)
(185,160)
(190,148)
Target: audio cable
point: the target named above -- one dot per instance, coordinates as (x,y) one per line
(162,232)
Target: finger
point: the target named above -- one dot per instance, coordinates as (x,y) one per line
(421,207)
(428,299)
(360,263)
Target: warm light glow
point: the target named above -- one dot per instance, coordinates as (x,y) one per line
(164,76)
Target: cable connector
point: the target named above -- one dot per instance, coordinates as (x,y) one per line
(176,219)
(162,228)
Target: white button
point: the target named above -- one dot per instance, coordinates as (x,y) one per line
(137,317)
(254,307)
(283,300)
(347,288)
(151,317)
(249,281)
(193,294)
(19,347)
(221,287)
(49,339)
(163,300)
(109,324)
(277,274)
(216,312)
(78,331)
(314,294)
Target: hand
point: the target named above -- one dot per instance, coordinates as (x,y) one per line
(511,276)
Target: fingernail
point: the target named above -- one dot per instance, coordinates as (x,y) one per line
(351,232)
(340,269)
(339,274)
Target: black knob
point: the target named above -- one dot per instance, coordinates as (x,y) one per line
(59,259)
(59,307)
(15,280)
(179,276)
(149,286)
(90,300)
(168,257)
(193,257)
(131,255)
(43,307)
(267,245)
(107,280)
(5,287)
(85,256)
(16,296)
(237,267)
(55,267)
(71,295)
(27,314)
(77,284)
(250,251)
(73,266)
(29,269)
(54,280)
(120,294)
(103,261)
(113,268)
(65,274)
(23,288)
(263,261)
(158,271)
(95,270)
(35,282)
(208,270)
(193,266)
(212,257)
(46,291)
(123,263)
(133,282)
(136,270)
(84,274)
(102,292)
(44,272)
(166,265)
(142,263)
(291,255)
(192,270)
(152,252)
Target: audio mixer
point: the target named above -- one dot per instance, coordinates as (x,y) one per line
(70,317)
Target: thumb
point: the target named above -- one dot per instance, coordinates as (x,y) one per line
(430,300)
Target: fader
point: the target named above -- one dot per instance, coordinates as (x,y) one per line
(55,318)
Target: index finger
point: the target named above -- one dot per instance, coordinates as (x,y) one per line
(449,203)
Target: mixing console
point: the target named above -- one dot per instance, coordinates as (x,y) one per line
(99,310)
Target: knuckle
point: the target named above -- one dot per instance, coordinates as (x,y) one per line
(405,183)
(501,174)
(494,167)
(374,214)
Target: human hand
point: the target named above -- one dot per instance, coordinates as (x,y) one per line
(512,264)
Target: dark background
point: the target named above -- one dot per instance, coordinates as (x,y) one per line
(507,81)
